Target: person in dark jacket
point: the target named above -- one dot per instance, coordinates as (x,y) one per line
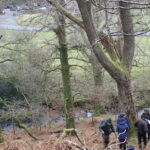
(106,127)
(122,129)
(146,117)
(142,130)
(146,114)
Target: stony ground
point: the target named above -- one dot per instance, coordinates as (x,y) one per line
(87,131)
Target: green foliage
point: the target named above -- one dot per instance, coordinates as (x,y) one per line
(2,102)
(7,89)
(99,110)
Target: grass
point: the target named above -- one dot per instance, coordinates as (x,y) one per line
(142,53)
(35,20)
(39,39)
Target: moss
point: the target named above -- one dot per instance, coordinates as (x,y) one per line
(99,110)
(20,125)
(60,32)
(114,60)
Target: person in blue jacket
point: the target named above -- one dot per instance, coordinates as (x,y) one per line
(127,120)
(122,130)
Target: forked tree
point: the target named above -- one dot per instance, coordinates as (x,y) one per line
(117,64)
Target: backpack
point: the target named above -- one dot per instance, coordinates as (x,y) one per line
(130,147)
(122,128)
(105,127)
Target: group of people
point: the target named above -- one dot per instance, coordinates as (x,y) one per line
(122,129)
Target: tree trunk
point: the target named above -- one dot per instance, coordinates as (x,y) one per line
(129,41)
(125,98)
(120,72)
(66,87)
(60,32)
(97,71)
(124,88)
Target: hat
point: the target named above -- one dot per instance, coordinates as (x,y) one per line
(121,115)
(109,120)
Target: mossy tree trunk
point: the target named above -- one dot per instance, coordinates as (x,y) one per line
(97,71)
(68,105)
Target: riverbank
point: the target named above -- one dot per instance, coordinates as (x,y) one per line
(50,139)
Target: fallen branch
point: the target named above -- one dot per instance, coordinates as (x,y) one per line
(58,131)
(20,125)
(76,145)
(79,139)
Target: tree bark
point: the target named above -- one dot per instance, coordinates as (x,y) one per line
(125,99)
(124,88)
(97,70)
(60,32)
(129,41)
(120,72)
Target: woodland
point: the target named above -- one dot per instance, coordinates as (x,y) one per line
(66,65)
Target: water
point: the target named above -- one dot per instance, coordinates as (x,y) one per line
(44,120)
(22,28)
(140,112)
(47,120)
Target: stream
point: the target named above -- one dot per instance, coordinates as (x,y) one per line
(47,120)
(43,120)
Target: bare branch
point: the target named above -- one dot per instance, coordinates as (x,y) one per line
(66,13)
(52,70)
(125,1)
(119,7)
(126,34)
(75,144)
(125,8)
(6,60)
(82,67)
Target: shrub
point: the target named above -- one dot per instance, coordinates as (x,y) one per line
(99,110)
